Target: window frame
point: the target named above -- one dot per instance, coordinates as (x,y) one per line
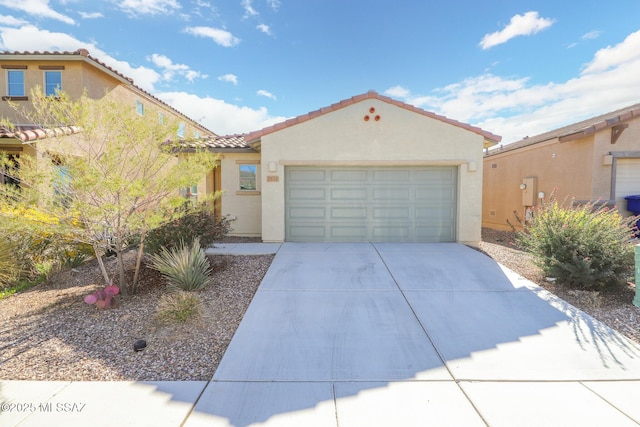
(255,164)
(9,83)
(139,107)
(58,85)
(181,130)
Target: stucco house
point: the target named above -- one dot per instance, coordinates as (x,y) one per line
(74,73)
(368,168)
(591,160)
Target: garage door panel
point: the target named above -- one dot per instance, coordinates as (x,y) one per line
(391,193)
(348,213)
(346,194)
(389,175)
(348,233)
(307,212)
(348,175)
(396,204)
(399,213)
(307,193)
(435,194)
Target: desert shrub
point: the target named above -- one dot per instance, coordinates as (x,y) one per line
(179,307)
(582,246)
(187,223)
(185,267)
(9,266)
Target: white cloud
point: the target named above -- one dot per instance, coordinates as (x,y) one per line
(274,4)
(149,7)
(91,15)
(515,108)
(170,69)
(264,28)
(221,37)
(218,115)
(10,21)
(628,50)
(248,8)
(266,94)
(30,38)
(39,8)
(520,25)
(397,92)
(230,78)
(591,35)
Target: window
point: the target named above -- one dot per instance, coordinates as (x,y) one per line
(52,82)
(161,119)
(190,193)
(16,83)
(181,129)
(196,134)
(248,174)
(9,169)
(140,108)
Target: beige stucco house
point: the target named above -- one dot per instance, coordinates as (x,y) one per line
(368,168)
(74,73)
(595,159)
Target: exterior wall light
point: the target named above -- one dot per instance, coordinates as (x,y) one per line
(523,186)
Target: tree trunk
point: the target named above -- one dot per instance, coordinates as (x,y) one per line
(134,286)
(105,275)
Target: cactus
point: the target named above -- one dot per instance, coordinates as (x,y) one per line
(104,298)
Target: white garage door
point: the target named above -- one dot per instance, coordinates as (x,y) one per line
(627,181)
(371,204)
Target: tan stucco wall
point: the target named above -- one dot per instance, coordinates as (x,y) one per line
(245,207)
(564,166)
(400,137)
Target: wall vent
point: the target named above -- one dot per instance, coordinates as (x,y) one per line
(494,165)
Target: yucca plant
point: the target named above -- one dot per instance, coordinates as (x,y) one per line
(184,267)
(179,307)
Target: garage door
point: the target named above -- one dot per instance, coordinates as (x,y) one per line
(627,181)
(375,204)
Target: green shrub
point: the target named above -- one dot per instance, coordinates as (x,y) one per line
(186,224)
(179,307)
(582,246)
(185,267)
(9,267)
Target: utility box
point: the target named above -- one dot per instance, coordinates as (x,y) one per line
(529,191)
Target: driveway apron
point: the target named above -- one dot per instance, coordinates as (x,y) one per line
(415,334)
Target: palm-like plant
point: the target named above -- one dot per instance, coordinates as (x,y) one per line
(184,267)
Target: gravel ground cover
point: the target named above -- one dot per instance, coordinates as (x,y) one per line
(49,333)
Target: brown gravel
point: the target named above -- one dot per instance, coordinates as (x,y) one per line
(49,333)
(614,308)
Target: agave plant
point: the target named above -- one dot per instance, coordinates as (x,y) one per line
(184,267)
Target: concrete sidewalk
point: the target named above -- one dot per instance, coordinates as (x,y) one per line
(378,335)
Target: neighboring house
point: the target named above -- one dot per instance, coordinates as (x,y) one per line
(595,159)
(74,73)
(368,168)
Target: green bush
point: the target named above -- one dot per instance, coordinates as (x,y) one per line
(9,267)
(185,225)
(582,246)
(179,307)
(184,267)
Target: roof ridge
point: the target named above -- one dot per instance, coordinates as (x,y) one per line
(371,94)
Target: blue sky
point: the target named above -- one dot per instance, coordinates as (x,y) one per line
(514,68)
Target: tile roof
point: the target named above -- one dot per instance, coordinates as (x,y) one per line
(226,143)
(575,130)
(83,54)
(33,133)
(255,136)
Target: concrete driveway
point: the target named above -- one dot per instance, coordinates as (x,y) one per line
(412,335)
